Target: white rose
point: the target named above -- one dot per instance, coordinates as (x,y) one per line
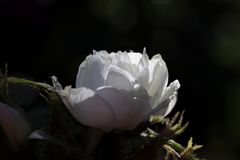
(119,90)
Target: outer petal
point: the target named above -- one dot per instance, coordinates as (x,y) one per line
(121,103)
(165,107)
(172,102)
(126,106)
(119,78)
(158,76)
(88,108)
(167,102)
(170,90)
(91,72)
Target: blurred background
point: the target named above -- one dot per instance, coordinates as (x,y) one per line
(199,40)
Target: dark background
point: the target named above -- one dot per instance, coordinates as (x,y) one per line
(199,40)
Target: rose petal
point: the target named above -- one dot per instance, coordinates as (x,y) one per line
(172,102)
(89,108)
(163,108)
(165,104)
(134,57)
(170,90)
(123,62)
(123,57)
(158,76)
(152,64)
(142,78)
(119,78)
(105,57)
(144,61)
(91,72)
(126,106)
(121,103)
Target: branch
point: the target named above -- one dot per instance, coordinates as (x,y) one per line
(45,90)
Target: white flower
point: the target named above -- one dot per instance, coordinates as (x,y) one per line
(119,90)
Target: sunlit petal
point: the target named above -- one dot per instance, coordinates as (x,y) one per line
(89,108)
(134,57)
(158,76)
(91,72)
(119,78)
(170,90)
